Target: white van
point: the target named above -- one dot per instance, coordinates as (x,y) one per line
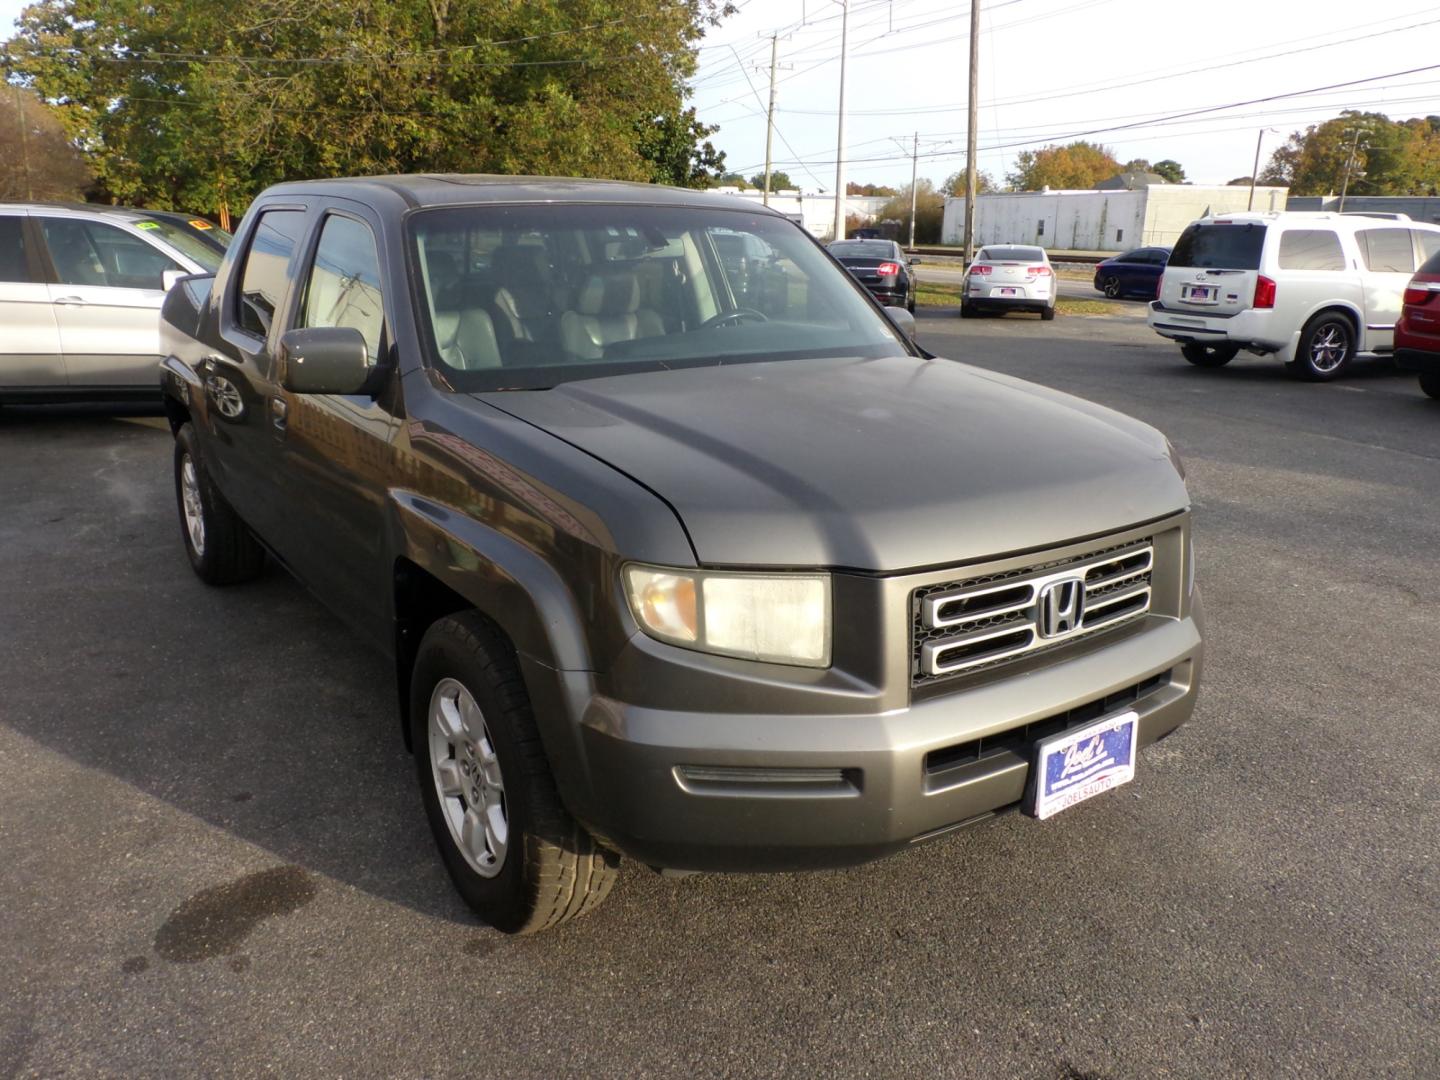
(1312,289)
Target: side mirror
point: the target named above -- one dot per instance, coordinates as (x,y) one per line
(902,319)
(324,360)
(914,260)
(168,278)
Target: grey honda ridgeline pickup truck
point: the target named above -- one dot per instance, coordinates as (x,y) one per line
(692,559)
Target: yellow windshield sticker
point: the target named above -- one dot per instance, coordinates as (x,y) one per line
(147,224)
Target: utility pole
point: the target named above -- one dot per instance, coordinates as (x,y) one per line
(914,165)
(1350,164)
(840,132)
(970,124)
(1255,172)
(770,115)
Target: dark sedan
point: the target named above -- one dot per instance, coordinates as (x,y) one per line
(1136,273)
(881,266)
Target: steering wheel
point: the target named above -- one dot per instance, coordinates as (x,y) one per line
(737,315)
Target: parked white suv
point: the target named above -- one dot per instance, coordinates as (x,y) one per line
(1312,289)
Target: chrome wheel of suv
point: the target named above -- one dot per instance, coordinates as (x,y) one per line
(191,506)
(1327,345)
(467,778)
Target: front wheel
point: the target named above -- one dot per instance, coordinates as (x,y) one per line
(518,858)
(1430,383)
(221,549)
(1202,355)
(1327,345)
(1111,287)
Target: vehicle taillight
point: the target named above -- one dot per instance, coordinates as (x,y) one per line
(1160,285)
(888,269)
(1038,271)
(1264,292)
(1422,290)
(981,269)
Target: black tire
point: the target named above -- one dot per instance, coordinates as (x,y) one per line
(910,304)
(551,870)
(1111,287)
(1202,355)
(1430,383)
(227,553)
(1327,345)
(1046,314)
(966,310)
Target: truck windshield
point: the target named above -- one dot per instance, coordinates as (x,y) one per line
(1220,247)
(531,296)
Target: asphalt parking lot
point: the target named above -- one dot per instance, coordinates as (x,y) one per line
(215,863)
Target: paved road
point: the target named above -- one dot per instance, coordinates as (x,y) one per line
(214,861)
(946,275)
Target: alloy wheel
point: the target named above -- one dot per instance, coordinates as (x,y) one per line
(194,509)
(467,778)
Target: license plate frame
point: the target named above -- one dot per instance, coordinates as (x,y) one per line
(1200,294)
(1009,292)
(1077,765)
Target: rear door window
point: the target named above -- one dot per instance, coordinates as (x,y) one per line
(1388,251)
(263,277)
(14,259)
(1429,248)
(1220,247)
(1311,249)
(91,253)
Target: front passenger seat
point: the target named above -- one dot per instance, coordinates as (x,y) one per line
(468,342)
(607,310)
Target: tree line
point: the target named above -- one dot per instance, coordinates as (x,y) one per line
(198,106)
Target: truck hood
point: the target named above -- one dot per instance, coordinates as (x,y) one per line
(879,465)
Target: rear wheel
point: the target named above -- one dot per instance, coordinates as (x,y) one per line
(1327,345)
(515,854)
(1047,313)
(967,311)
(1202,355)
(221,549)
(1111,287)
(1430,383)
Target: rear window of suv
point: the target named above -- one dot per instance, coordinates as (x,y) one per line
(1220,247)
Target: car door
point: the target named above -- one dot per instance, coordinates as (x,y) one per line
(335,448)
(107,290)
(30,354)
(244,426)
(1389,256)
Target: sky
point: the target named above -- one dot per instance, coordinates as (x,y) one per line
(1050,71)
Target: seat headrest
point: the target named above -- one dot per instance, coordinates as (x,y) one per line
(521,262)
(614,293)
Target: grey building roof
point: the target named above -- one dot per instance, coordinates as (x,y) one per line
(1129,181)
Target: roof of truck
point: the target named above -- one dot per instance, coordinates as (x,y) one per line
(442,189)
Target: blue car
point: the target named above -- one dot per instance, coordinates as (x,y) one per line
(1136,273)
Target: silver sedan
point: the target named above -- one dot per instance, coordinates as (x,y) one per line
(1007,277)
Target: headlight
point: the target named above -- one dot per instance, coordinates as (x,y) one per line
(782,618)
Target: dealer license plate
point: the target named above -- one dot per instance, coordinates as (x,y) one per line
(1072,767)
(1008,292)
(1201,294)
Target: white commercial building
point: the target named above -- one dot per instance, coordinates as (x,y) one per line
(815,212)
(1092,220)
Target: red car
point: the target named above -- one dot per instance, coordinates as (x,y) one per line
(1417,334)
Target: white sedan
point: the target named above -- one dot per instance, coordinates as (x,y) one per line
(1007,277)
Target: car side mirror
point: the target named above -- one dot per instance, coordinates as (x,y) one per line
(168,278)
(903,320)
(324,360)
(914,260)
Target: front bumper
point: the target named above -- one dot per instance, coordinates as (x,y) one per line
(696,790)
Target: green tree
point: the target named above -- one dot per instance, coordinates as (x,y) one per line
(954,184)
(1078,164)
(1239,181)
(1138,164)
(852,188)
(1172,171)
(199,105)
(929,212)
(1391,158)
(37,160)
(779,181)
(730,179)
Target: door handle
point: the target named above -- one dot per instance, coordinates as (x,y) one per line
(77,301)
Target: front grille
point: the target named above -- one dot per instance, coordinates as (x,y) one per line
(964,626)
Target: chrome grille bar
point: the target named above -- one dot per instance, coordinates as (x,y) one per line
(988,621)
